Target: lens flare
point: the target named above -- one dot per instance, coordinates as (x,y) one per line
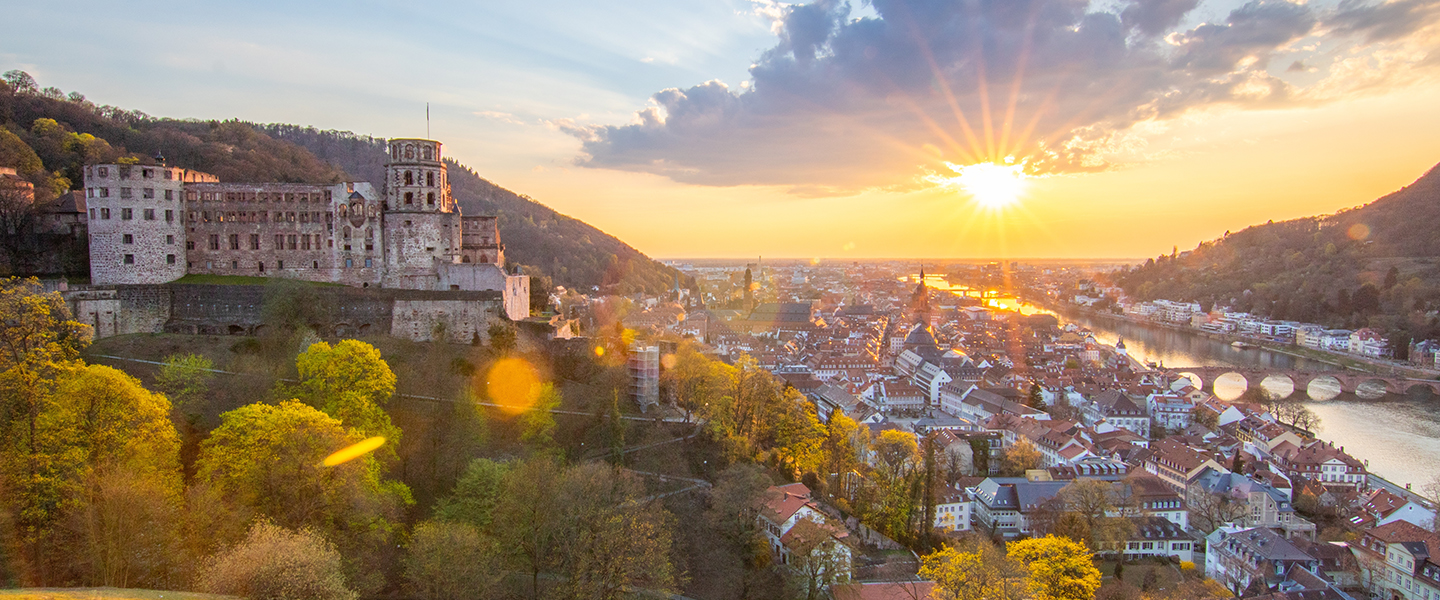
(1358,232)
(992,185)
(513,384)
(354,451)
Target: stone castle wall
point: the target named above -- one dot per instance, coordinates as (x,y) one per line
(417,315)
(136,226)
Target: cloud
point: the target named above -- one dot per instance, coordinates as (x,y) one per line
(840,104)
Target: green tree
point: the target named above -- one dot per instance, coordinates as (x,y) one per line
(185,379)
(537,423)
(527,522)
(1059,568)
(268,460)
(476,494)
(351,382)
(502,337)
(613,538)
(1036,398)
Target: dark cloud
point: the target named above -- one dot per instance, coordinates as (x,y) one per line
(845,104)
(1154,17)
(1386,21)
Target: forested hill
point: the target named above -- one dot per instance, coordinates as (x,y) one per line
(1376,265)
(48,136)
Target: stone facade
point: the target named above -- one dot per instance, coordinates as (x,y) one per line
(152,225)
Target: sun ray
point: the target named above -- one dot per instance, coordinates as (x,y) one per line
(1021,63)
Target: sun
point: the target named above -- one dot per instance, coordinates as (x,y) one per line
(992,185)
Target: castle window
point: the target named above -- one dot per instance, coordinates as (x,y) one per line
(170,239)
(409,151)
(280,242)
(127,239)
(205,216)
(330,216)
(317,241)
(147,193)
(279,264)
(330,243)
(430,199)
(147,173)
(129,259)
(290,242)
(409,178)
(347,232)
(304,197)
(289,196)
(304,242)
(189,245)
(104,172)
(254,241)
(304,217)
(234,241)
(214,242)
(169,259)
(369,233)
(314,264)
(429,153)
(190,196)
(149,214)
(430,179)
(349,263)
(262,267)
(279,217)
(169,194)
(126,214)
(409,198)
(290,217)
(367,263)
(314,217)
(167,174)
(169,216)
(234,264)
(104,192)
(92,214)
(125,193)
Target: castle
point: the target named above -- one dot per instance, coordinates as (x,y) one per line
(156,224)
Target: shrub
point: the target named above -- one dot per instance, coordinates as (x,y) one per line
(275,563)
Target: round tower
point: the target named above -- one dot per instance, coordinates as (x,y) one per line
(136,222)
(422,224)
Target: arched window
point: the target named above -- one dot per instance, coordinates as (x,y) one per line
(430,179)
(409,198)
(347,232)
(430,198)
(465,258)
(429,153)
(409,178)
(409,151)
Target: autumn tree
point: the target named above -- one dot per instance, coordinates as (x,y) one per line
(1059,568)
(846,442)
(614,539)
(898,452)
(736,500)
(1092,501)
(974,570)
(537,423)
(276,563)
(1020,457)
(476,495)
(1209,510)
(526,524)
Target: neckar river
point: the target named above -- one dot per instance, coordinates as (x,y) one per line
(1398,436)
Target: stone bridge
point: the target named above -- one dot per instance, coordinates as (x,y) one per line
(1348,381)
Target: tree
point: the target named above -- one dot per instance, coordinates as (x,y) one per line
(1092,501)
(975,570)
(1036,399)
(20,82)
(1208,510)
(526,522)
(185,379)
(275,563)
(1059,568)
(1020,457)
(351,382)
(476,495)
(451,561)
(614,540)
(36,327)
(268,460)
(980,456)
(817,561)
(537,423)
(502,337)
(1205,417)
(845,443)
(898,452)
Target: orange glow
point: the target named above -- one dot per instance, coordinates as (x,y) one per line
(354,451)
(668,361)
(992,185)
(513,384)
(600,351)
(1358,231)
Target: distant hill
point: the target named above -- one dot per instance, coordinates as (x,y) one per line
(49,136)
(1377,265)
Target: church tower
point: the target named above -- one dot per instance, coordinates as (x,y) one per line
(422,223)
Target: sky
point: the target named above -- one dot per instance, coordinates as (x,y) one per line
(731,128)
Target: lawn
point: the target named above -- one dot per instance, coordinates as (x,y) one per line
(104,594)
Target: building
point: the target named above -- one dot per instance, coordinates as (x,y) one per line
(1003,505)
(952,511)
(644,365)
(1399,561)
(1254,558)
(156,224)
(1156,537)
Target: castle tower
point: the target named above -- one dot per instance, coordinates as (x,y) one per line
(422,227)
(137,222)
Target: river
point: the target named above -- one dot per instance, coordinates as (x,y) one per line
(1397,436)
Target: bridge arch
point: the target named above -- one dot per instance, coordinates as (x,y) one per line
(1196,380)
(1324,387)
(1370,383)
(1279,384)
(1230,385)
(1408,386)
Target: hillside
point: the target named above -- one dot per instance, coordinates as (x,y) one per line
(48,136)
(1376,265)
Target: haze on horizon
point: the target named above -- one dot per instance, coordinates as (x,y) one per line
(739,128)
